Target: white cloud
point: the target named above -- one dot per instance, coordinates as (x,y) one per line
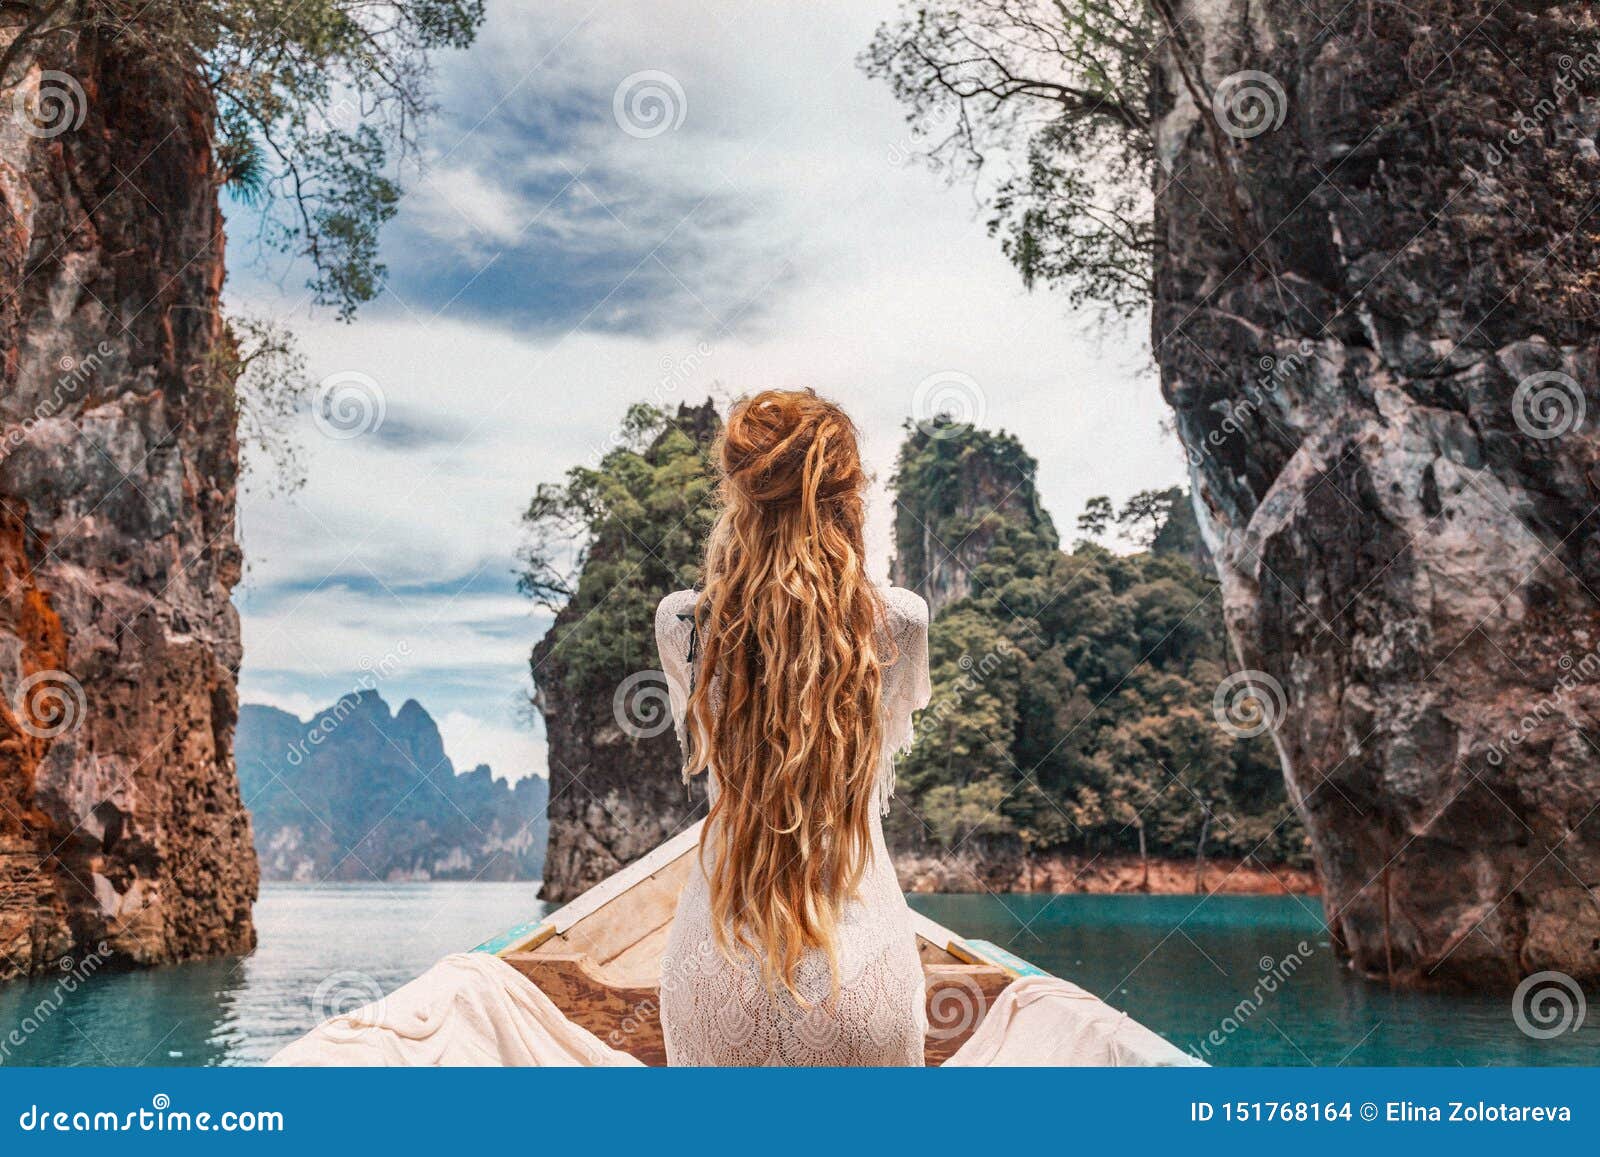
(297,703)
(511,751)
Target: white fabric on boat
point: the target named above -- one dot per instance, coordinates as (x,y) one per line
(470,1009)
(475,1009)
(1039,1020)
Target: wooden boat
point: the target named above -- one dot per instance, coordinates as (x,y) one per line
(599,959)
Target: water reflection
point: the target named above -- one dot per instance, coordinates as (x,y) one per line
(241,1010)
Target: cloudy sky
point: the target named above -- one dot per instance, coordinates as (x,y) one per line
(576,244)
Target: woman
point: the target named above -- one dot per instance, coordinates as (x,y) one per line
(792,681)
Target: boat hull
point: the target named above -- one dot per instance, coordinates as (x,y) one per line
(599,959)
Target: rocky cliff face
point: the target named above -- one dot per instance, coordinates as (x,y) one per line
(615,768)
(120,819)
(360,793)
(1374,319)
(945,525)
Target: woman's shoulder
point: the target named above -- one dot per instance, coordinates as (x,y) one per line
(905,606)
(678,601)
(675,604)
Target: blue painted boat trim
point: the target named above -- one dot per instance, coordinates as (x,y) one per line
(511,937)
(1011,962)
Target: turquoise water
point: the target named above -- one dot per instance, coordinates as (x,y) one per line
(324,948)
(1183,964)
(1179,964)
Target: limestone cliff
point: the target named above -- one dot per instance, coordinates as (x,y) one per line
(615,786)
(945,524)
(120,818)
(1374,318)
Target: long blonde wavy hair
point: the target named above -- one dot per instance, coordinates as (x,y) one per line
(788,632)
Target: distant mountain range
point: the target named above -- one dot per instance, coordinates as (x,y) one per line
(358,793)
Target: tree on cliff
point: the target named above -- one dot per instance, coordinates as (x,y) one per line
(1073,693)
(1367,237)
(122,831)
(310,101)
(602,549)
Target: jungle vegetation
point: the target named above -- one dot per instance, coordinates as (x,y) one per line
(1072,705)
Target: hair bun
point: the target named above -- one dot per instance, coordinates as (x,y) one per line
(784,446)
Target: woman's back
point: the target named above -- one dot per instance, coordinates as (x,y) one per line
(721,1011)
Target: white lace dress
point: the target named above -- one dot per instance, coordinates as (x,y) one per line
(719,1012)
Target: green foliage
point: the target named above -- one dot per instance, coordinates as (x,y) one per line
(606,544)
(1072,702)
(260,369)
(1061,92)
(1097,516)
(1071,692)
(1162,521)
(957,488)
(315,102)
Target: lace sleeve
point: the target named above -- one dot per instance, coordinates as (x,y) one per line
(672,645)
(914,643)
(908,687)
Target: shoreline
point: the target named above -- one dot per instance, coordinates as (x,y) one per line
(1103,876)
(1050,875)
